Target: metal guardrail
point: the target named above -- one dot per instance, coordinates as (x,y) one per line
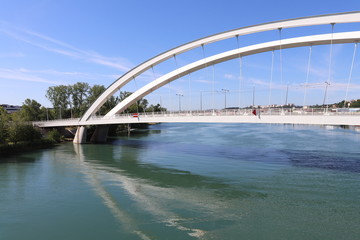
(233,112)
(227,112)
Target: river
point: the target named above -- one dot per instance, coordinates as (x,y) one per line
(188,181)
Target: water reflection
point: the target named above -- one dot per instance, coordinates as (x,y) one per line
(156,190)
(93,176)
(17,159)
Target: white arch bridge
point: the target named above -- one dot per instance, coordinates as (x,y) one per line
(249,114)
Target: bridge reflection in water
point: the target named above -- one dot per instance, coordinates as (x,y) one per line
(155,190)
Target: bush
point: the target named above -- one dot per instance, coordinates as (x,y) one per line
(20,132)
(54,135)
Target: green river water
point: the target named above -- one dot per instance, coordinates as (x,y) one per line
(188,181)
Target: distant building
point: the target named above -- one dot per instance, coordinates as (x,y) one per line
(10,108)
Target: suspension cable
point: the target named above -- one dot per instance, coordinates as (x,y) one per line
(350,74)
(330,63)
(177,70)
(271,76)
(307,74)
(137,102)
(154,76)
(213,88)
(241,70)
(213,77)
(281,66)
(241,80)
(190,93)
(153,72)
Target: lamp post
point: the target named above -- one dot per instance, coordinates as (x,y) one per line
(253,102)
(326,88)
(225,91)
(180,95)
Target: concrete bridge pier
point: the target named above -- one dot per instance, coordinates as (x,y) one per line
(100,135)
(80,136)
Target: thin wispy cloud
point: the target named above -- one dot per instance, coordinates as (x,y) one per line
(43,76)
(12,55)
(10,74)
(62,48)
(53,72)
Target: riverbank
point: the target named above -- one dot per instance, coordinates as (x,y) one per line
(18,148)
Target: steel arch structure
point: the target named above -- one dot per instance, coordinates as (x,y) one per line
(347,37)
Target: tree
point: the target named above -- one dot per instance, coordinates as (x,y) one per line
(59,96)
(355,104)
(47,114)
(54,135)
(4,120)
(31,110)
(94,92)
(80,96)
(109,104)
(139,106)
(156,108)
(22,132)
(80,93)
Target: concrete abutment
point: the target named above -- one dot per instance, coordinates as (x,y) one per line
(99,136)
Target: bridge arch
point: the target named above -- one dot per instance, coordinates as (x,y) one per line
(347,37)
(291,23)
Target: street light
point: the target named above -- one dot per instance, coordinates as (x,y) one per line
(225,91)
(253,103)
(180,95)
(326,88)
(201,100)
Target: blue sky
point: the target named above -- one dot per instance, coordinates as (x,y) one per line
(45,43)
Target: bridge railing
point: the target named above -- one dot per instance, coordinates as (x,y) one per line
(216,112)
(238,112)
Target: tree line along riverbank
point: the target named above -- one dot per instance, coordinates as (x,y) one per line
(68,101)
(18,135)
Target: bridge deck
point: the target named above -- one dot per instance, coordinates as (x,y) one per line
(230,116)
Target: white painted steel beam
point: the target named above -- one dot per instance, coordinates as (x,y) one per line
(348,17)
(346,37)
(320,119)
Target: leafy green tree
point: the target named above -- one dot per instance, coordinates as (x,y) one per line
(46,113)
(156,108)
(109,104)
(31,110)
(59,96)
(340,104)
(80,92)
(80,96)
(4,121)
(22,132)
(140,106)
(94,92)
(355,104)
(54,135)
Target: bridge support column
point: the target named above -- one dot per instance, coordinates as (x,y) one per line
(100,135)
(80,136)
